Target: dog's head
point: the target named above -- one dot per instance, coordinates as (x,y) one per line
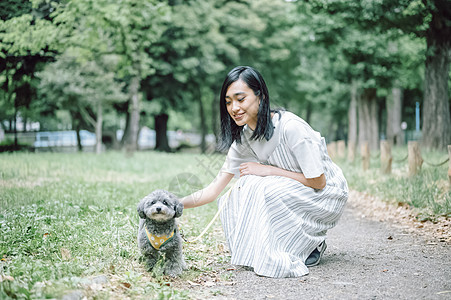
(160,206)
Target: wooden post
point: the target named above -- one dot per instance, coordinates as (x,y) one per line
(332,149)
(415,160)
(449,163)
(365,152)
(351,151)
(341,149)
(386,158)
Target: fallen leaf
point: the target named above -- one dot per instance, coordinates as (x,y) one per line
(193,283)
(443,292)
(65,254)
(126,284)
(209,262)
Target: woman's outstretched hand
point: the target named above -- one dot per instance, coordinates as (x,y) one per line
(254,168)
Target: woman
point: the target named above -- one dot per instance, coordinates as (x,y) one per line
(289,192)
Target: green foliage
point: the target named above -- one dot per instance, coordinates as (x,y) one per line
(39,35)
(308,51)
(25,44)
(126,28)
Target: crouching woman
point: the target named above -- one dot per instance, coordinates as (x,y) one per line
(288,192)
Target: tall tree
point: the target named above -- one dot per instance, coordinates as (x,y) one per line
(436,108)
(427,19)
(22,55)
(86,89)
(189,62)
(127,29)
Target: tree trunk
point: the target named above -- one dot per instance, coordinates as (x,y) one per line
(16,143)
(99,121)
(365,153)
(203,124)
(394,116)
(368,124)
(449,163)
(126,130)
(79,145)
(215,120)
(436,113)
(341,149)
(374,121)
(161,128)
(352,122)
(76,125)
(340,131)
(133,128)
(352,115)
(308,112)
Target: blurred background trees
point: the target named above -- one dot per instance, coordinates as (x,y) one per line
(353,69)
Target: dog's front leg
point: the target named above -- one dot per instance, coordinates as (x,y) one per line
(152,259)
(175,263)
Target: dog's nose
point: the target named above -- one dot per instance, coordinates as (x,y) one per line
(158,209)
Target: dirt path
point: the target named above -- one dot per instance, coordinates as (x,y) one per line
(365,259)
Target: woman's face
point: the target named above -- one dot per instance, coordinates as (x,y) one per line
(242,104)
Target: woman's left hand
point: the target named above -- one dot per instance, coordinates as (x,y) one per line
(254,168)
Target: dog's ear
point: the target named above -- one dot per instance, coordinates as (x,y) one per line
(141,207)
(178,208)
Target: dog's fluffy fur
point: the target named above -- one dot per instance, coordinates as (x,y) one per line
(157,212)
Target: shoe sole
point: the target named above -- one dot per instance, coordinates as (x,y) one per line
(321,251)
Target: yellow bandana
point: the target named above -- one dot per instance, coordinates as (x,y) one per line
(158,241)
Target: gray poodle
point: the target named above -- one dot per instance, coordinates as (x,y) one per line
(158,232)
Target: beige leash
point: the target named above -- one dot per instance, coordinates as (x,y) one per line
(214,218)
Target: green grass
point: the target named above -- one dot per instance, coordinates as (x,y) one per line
(67,217)
(428,194)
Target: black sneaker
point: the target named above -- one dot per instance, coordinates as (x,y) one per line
(314,257)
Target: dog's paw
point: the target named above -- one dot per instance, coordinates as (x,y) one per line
(173,272)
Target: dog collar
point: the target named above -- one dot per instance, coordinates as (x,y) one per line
(157,241)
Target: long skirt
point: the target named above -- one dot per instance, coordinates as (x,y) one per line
(273,223)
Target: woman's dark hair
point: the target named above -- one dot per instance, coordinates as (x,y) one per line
(231,132)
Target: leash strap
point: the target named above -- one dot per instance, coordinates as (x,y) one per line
(214,218)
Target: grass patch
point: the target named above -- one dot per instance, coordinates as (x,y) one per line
(428,193)
(66,218)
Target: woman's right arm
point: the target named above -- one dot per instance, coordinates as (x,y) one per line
(208,194)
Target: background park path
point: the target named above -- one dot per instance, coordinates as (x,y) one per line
(366,258)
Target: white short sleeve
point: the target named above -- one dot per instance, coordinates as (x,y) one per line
(235,157)
(306,146)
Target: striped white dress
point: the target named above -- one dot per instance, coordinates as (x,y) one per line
(273,223)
